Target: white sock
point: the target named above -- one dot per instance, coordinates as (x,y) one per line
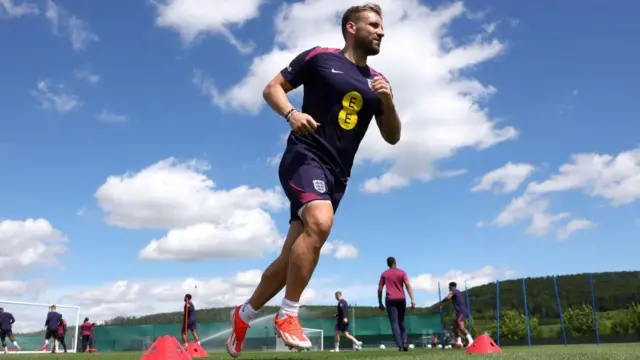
(46,342)
(288,307)
(247,312)
(337,346)
(458,340)
(15,343)
(469,338)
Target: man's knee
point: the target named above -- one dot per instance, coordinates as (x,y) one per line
(318,220)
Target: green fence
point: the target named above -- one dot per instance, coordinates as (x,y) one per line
(371,330)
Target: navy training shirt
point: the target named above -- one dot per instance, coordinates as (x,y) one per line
(192,312)
(6,321)
(458,302)
(337,94)
(53,320)
(343,310)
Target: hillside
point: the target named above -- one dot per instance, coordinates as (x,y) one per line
(614,291)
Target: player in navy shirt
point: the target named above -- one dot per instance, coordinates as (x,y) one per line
(6,329)
(51,328)
(457,298)
(342,323)
(342,94)
(189,320)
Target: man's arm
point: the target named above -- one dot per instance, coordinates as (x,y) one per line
(291,77)
(12,319)
(448,297)
(380,287)
(389,122)
(407,284)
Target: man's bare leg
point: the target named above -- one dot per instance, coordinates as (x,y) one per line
(194,332)
(317,217)
(274,277)
(305,252)
(337,341)
(462,329)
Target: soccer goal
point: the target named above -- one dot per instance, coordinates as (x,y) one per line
(29,331)
(316,336)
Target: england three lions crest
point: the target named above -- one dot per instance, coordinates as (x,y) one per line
(370,82)
(320,186)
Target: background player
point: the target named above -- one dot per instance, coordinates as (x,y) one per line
(341,96)
(51,329)
(6,329)
(459,305)
(342,323)
(395,280)
(189,321)
(62,332)
(85,330)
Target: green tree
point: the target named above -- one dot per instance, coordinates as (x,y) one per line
(513,326)
(578,321)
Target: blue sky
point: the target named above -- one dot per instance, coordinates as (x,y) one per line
(116,120)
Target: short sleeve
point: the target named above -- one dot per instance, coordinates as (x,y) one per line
(379,111)
(404,276)
(297,71)
(381,283)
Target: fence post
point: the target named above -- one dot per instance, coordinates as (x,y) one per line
(526,310)
(441,317)
(498,312)
(555,286)
(466,290)
(593,309)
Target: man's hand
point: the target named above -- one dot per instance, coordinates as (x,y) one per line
(302,123)
(413,304)
(345,320)
(382,89)
(381,307)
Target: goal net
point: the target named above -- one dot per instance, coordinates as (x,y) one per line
(316,336)
(29,330)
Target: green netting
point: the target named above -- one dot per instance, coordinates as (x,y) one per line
(259,336)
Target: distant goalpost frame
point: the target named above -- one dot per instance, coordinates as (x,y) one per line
(26,339)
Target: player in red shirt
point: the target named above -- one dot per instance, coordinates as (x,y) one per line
(395,280)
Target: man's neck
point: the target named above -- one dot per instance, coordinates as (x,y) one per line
(355,56)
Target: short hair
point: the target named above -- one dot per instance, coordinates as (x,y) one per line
(353,14)
(86,319)
(453,284)
(188,297)
(338,292)
(391,261)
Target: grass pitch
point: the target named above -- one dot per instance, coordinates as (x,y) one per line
(558,352)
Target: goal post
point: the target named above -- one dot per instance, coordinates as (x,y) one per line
(316,336)
(28,328)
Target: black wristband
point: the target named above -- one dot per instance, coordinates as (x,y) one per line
(287,116)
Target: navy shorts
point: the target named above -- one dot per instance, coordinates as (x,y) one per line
(190,326)
(5,334)
(51,334)
(461,318)
(305,179)
(342,327)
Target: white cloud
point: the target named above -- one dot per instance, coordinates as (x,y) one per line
(87,75)
(25,244)
(203,222)
(69,25)
(340,250)
(193,19)
(442,117)
(613,178)
(11,9)
(574,225)
(54,96)
(245,234)
(110,117)
(429,282)
(505,179)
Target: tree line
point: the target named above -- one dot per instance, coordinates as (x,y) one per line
(615,292)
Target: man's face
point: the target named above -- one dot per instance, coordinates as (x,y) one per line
(338,297)
(369,33)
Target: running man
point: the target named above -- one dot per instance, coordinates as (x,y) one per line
(395,280)
(342,323)
(189,321)
(6,330)
(51,329)
(62,332)
(341,96)
(459,305)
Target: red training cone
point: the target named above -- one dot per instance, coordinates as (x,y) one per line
(195,350)
(483,345)
(166,348)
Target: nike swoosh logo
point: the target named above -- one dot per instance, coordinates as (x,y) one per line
(336,71)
